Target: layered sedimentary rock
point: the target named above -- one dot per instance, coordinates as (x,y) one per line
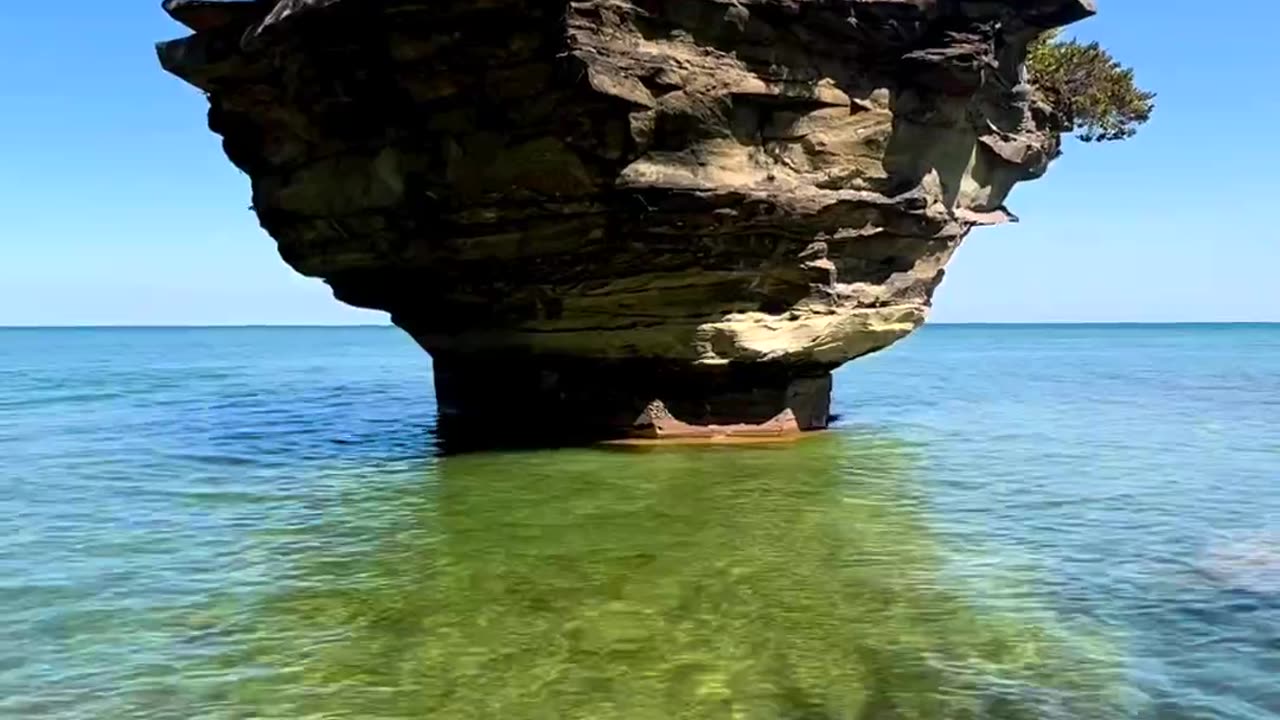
(579,207)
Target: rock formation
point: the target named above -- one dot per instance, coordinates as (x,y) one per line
(582,206)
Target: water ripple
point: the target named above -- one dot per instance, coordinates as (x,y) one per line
(1013,522)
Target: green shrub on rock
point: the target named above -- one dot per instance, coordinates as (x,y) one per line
(1088,91)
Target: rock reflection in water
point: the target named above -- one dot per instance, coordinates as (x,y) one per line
(761,582)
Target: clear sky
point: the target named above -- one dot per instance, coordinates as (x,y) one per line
(118,207)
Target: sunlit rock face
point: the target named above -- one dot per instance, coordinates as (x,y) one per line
(581,207)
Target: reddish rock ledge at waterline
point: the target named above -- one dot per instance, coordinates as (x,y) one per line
(579,207)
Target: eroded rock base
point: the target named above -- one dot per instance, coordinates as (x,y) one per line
(520,401)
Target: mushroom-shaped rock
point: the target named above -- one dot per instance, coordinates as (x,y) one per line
(580,207)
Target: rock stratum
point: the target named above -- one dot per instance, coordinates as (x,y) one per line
(582,207)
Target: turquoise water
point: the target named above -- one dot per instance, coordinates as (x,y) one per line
(1038,522)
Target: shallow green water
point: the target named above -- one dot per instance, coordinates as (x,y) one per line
(652,584)
(1009,523)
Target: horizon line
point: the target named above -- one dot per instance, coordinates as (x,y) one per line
(340,326)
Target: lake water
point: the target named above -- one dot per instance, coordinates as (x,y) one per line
(1009,522)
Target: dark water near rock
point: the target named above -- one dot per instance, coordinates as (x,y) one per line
(1016,522)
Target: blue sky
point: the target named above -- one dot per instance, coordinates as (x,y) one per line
(119,208)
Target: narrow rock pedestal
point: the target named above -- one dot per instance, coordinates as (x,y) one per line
(499,400)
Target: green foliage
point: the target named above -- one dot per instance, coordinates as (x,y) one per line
(1089,92)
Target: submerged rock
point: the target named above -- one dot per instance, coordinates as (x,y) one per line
(1251,564)
(581,207)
